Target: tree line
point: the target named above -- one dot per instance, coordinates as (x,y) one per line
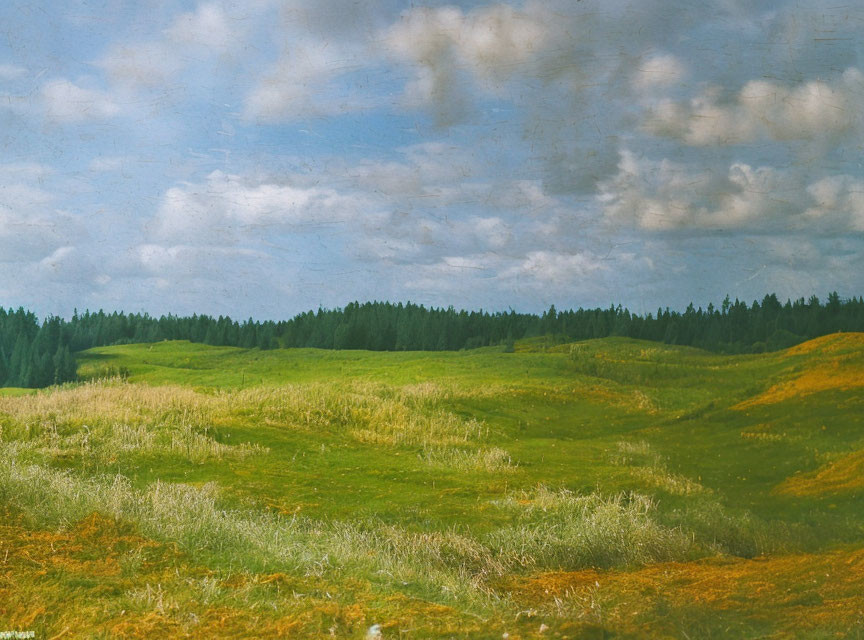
(34,354)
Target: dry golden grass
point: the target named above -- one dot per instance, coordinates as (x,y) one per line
(844,475)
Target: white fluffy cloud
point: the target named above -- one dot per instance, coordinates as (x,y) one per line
(667,196)
(66,102)
(490,44)
(226,206)
(551,267)
(190,261)
(838,203)
(303,84)
(763,109)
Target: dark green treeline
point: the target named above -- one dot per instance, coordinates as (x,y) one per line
(34,355)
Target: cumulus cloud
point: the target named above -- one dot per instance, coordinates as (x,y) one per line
(490,44)
(226,205)
(209,30)
(838,203)
(763,109)
(303,84)
(65,102)
(665,195)
(208,26)
(190,261)
(661,195)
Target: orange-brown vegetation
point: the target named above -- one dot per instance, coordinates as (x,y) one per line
(73,583)
(844,475)
(838,374)
(803,591)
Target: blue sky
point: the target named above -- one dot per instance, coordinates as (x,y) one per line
(263,157)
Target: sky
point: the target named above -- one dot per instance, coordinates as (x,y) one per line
(264,157)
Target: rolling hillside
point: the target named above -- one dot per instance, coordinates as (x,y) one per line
(613,487)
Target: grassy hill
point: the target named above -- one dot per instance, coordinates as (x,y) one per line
(604,487)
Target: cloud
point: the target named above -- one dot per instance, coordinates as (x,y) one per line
(145,64)
(305,83)
(330,62)
(551,267)
(209,30)
(30,227)
(226,207)
(659,71)
(489,44)
(661,195)
(762,109)
(65,102)
(11,71)
(838,203)
(208,26)
(665,195)
(181,262)
(66,264)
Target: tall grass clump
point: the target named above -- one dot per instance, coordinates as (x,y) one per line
(371,413)
(101,421)
(565,530)
(490,460)
(649,467)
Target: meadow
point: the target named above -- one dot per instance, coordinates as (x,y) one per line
(606,488)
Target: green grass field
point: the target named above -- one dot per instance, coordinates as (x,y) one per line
(610,488)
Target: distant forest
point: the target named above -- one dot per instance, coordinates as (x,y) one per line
(39,355)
